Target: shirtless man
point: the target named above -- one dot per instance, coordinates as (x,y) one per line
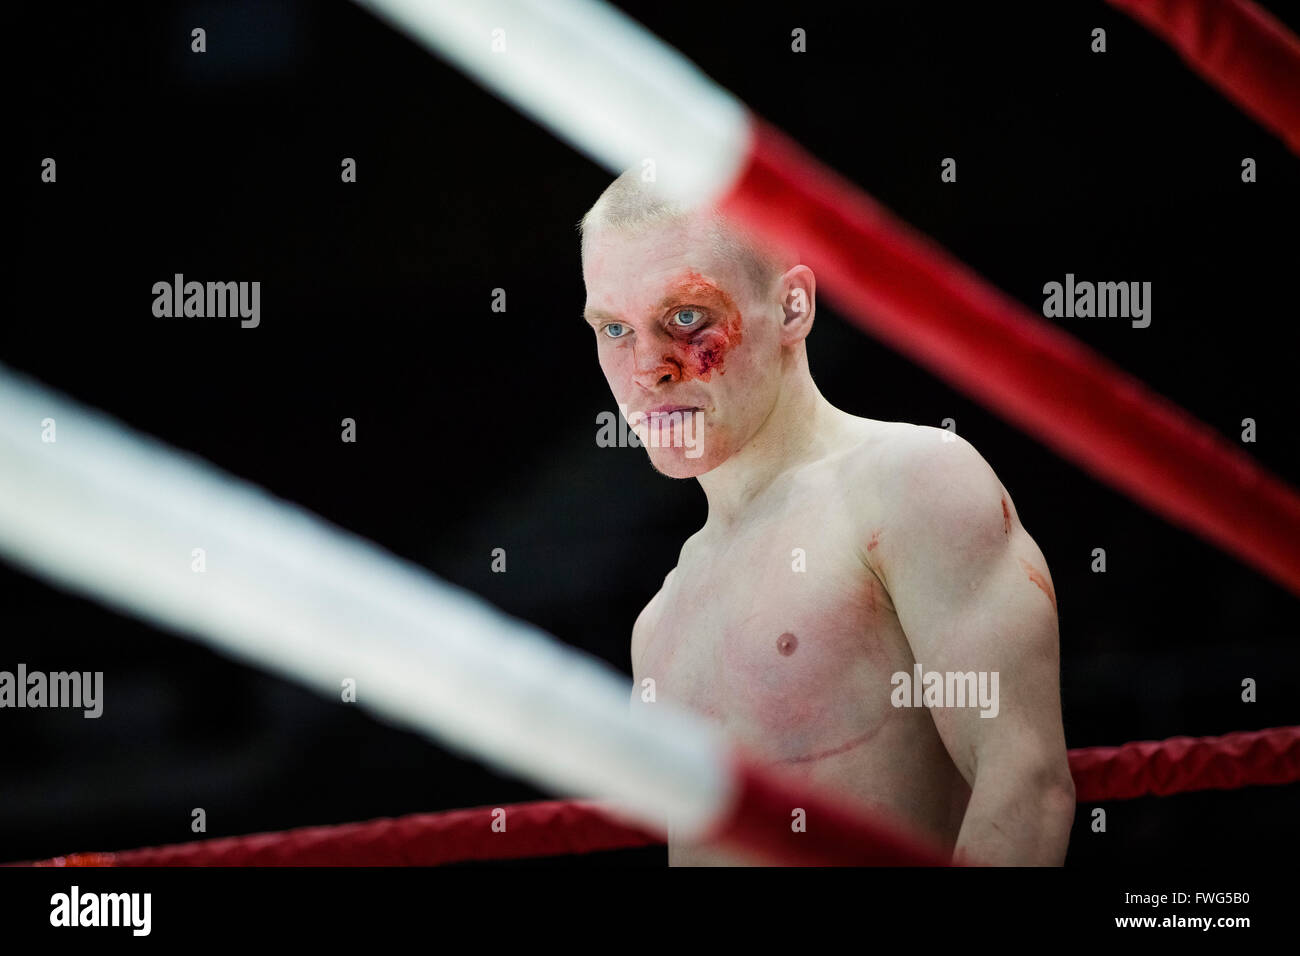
(838,551)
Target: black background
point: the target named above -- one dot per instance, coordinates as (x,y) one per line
(476,429)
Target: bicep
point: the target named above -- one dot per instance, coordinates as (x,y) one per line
(1005,631)
(973,594)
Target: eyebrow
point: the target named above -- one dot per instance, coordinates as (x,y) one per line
(592,316)
(676,297)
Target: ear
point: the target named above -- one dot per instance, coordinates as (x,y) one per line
(798,304)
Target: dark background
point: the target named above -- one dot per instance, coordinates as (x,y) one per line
(376,305)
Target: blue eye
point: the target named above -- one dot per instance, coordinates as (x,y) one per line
(695,320)
(615,330)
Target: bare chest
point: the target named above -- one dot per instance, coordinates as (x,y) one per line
(782,635)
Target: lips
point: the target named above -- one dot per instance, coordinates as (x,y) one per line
(663,410)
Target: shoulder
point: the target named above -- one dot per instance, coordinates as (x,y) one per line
(644,625)
(647,621)
(917,465)
(927,489)
(901,463)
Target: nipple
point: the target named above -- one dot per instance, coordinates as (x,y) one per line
(786,644)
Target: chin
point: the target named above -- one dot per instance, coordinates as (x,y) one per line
(675,463)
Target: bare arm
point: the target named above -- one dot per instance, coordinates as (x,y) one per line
(973,593)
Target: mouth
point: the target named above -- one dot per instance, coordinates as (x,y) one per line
(664,411)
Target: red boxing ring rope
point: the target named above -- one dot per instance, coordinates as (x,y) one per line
(1180,764)
(1239,48)
(541,828)
(556,827)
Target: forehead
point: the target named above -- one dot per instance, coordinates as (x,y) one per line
(633,270)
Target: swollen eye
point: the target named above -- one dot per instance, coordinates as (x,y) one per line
(687,317)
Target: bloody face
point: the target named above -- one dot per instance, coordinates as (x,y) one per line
(689,347)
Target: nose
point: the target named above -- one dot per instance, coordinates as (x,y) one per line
(651,367)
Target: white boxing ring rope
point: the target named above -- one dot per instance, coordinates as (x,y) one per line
(115,515)
(596,79)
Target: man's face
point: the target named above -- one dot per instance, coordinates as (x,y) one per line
(690,350)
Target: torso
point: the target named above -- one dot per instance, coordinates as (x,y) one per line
(795,665)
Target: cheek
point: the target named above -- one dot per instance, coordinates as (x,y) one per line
(619,365)
(708,352)
(615,372)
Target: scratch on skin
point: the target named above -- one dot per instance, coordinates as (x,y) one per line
(1039,579)
(842,748)
(1006,516)
(875,540)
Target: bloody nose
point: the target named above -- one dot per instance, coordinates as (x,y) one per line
(657,369)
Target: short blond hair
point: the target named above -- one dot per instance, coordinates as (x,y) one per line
(629,204)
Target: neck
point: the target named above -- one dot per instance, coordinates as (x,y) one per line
(797,430)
